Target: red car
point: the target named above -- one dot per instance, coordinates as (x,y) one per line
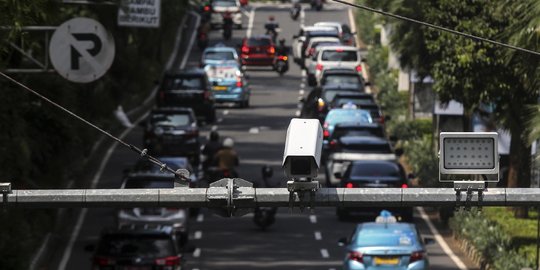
(258,51)
(243,2)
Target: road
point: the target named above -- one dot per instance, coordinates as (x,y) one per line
(298,240)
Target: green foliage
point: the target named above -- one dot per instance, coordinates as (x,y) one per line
(423,160)
(490,239)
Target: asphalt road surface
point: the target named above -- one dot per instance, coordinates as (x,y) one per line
(298,240)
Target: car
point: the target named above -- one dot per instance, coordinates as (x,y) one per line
(303,36)
(172,131)
(338,116)
(358,129)
(343,77)
(188,88)
(311,52)
(219,54)
(374,173)
(144,165)
(327,94)
(176,218)
(228,84)
(258,51)
(345,34)
(337,56)
(219,7)
(133,247)
(362,101)
(386,244)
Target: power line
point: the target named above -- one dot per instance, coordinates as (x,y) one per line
(455,32)
(143,153)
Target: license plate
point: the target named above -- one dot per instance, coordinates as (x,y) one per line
(391,260)
(220,88)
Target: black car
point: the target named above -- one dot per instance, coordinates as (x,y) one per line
(357,129)
(361,144)
(317,103)
(188,88)
(375,174)
(172,131)
(362,101)
(343,77)
(134,247)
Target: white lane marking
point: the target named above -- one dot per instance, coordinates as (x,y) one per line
(303,73)
(297,113)
(219,120)
(197,235)
(225,112)
(302,85)
(318,236)
(324,253)
(301,92)
(200,218)
(313,219)
(353,25)
(82,215)
(191,41)
(247,14)
(254,130)
(197,253)
(250,23)
(440,240)
(40,251)
(299,106)
(302,17)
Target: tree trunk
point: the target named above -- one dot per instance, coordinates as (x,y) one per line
(519,169)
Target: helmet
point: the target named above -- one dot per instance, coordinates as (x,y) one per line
(228,142)
(271,18)
(214,135)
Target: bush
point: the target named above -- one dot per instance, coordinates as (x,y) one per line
(423,161)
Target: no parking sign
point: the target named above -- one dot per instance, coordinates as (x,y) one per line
(81,50)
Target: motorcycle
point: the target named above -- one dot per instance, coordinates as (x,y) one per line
(317,4)
(281,64)
(227,28)
(202,40)
(295,11)
(265,216)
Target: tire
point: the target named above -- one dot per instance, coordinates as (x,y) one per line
(312,81)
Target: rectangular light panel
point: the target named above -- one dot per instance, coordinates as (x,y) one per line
(469,153)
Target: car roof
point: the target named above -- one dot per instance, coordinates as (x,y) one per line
(341,87)
(328,23)
(340,47)
(315,28)
(372,140)
(386,226)
(323,39)
(357,125)
(259,37)
(340,70)
(139,229)
(220,49)
(353,95)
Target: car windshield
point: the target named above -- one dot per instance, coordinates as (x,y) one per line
(342,79)
(329,94)
(318,33)
(383,169)
(225,3)
(141,246)
(348,116)
(149,182)
(258,42)
(339,55)
(162,119)
(355,100)
(375,132)
(367,148)
(385,237)
(217,55)
(184,83)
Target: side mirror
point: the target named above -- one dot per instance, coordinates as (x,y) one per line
(428,241)
(343,242)
(363,60)
(90,248)
(367,84)
(399,152)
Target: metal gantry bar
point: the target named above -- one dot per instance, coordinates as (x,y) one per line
(248,197)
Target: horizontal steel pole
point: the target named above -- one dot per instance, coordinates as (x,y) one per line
(247,197)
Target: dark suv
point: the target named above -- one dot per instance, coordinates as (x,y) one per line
(172,131)
(258,51)
(134,247)
(188,88)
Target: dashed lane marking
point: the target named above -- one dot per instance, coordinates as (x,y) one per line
(254,130)
(297,113)
(301,92)
(250,23)
(219,120)
(197,235)
(225,112)
(302,85)
(200,218)
(197,253)
(303,73)
(313,219)
(318,236)
(324,253)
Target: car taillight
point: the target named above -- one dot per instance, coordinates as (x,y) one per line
(168,261)
(319,67)
(404,186)
(325,125)
(320,104)
(283,57)
(349,185)
(239,82)
(333,144)
(102,261)
(359,68)
(381,120)
(206,8)
(356,256)
(271,50)
(326,133)
(245,49)
(311,51)
(416,256)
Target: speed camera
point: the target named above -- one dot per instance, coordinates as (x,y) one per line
(302,154)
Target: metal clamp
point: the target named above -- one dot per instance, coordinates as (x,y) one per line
(302,188)
(469,187)
(233,196)
(5,189)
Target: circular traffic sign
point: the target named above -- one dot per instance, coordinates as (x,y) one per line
(81,50)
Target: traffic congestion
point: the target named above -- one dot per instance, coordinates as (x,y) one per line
(197,123)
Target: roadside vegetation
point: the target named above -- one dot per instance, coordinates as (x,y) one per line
(472,73)
(43,147)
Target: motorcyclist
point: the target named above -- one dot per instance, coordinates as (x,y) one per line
(227,19)
(226,158)
(271,27)
(211,148)
(282,49)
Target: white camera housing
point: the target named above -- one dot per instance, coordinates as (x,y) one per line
(302,154)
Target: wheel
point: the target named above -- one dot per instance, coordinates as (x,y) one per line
(312,81)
